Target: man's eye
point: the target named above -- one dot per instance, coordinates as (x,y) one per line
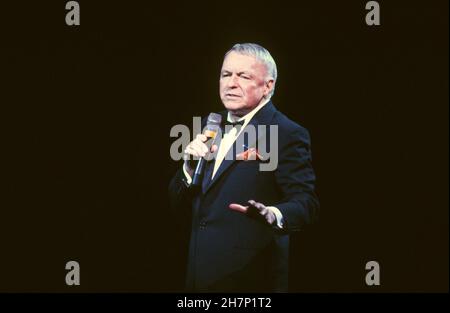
(225,74)
(245,77)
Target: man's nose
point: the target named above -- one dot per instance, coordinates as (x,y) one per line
(232,82)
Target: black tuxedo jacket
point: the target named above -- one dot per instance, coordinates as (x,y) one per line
(232,251)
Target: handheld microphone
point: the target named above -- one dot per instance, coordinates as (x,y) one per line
(211,129)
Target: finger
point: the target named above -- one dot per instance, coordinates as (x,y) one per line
(238,207)
(264,212)
(189,150)
(250,210)
(200,147)
(201,137)
(270,218)
(214,148)
(195,151)
(257,205)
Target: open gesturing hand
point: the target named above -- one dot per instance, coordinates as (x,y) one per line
(255,209)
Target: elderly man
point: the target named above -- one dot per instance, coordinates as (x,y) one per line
(242,216)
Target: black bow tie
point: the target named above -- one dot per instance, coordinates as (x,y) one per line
(234,123)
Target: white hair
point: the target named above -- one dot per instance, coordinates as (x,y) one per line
(261,54)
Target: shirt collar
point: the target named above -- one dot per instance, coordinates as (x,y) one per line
(246,118)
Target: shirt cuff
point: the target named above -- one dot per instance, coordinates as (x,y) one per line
(186,174)
(278,215)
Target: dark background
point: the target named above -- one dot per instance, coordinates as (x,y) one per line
(86,113)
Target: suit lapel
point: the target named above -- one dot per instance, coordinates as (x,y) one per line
(262,117)
(207,175)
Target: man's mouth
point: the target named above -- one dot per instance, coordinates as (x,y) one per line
(232,95)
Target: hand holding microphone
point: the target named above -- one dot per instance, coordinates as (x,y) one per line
(202,147)
(198,149)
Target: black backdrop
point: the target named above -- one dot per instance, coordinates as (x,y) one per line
(86,113)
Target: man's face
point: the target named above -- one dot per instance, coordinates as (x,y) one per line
(243,83)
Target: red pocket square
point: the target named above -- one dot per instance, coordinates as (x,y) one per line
(250,154)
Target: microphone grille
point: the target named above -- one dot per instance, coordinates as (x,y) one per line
(214,118)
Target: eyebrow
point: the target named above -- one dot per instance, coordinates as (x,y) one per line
(239,73)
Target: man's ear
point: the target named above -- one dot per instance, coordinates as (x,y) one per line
(269,86)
